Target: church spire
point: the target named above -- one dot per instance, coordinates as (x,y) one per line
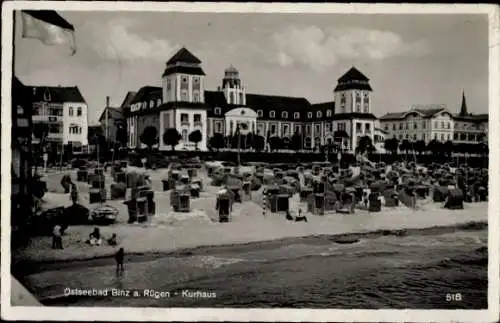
(463,108)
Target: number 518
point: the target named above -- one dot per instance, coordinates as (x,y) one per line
(457,297)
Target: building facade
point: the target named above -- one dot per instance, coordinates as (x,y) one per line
(183,103)
(419,123)
(111,120)
(436,122)
(470,128)
(65,111)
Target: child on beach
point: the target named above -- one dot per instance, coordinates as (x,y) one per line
(120,254)
(57,237)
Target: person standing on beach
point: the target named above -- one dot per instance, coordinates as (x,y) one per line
(57,237)
(119,257)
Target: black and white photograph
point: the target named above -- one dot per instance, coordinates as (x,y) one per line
(229,157)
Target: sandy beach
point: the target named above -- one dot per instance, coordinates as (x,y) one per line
(168,231)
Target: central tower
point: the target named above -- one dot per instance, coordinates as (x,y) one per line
(232,88)
(183,79)
(352,93)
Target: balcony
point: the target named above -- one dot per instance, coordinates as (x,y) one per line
(46,118)
(198,124)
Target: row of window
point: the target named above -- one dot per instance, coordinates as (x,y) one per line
(414,125)
(196,119)
(284,114)
(144,105)
(75,129)
(359,127)
(415,137)
(78,111)
(185,83)
(467,136)
(286,127)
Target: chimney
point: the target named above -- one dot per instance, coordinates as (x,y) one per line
(107,102)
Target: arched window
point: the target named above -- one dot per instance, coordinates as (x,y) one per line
(309,115)
(231,98)
(328,113)
(284,114)
(260,113)
(318,114)
(184,135)
(358,97)
(272,114)
(70,111)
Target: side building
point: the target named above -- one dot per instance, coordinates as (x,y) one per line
(470,128)
(183,103)
(436,122)
(65,111)
(420,122)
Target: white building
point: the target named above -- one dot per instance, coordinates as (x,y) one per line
(65,111)
(419,123)
(183,103)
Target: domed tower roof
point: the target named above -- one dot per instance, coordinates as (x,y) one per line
(231,72)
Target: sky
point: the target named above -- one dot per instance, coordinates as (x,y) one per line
(409,59)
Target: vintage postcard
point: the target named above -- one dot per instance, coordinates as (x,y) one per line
(250,162)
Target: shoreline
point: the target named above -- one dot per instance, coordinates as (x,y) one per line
(28,267)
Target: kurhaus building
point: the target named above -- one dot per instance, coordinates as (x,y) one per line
(183,103)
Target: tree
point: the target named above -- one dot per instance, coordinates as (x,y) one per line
(259,143)
(217,141)
(405,146)
(365,145)
(448,148)
(248,140)
(434,147)
(419,146)
(391,145)
(296,142)
(149,137)
(195,137)
(274,143)
(285,143)
(121,135)
(40,130)
(171,137)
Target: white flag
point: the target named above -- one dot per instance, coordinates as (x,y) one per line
(48,27)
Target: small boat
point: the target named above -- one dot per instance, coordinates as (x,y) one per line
(104,214)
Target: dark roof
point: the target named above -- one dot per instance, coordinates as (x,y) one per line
(184,56)
(353,79)
(147,93)
(353,115)
(353,86)
(113,113)
(472,117)
(191,70)
(128,99)
(268,103)
(353,75)
(168,106)
(425,113)
(58,94)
